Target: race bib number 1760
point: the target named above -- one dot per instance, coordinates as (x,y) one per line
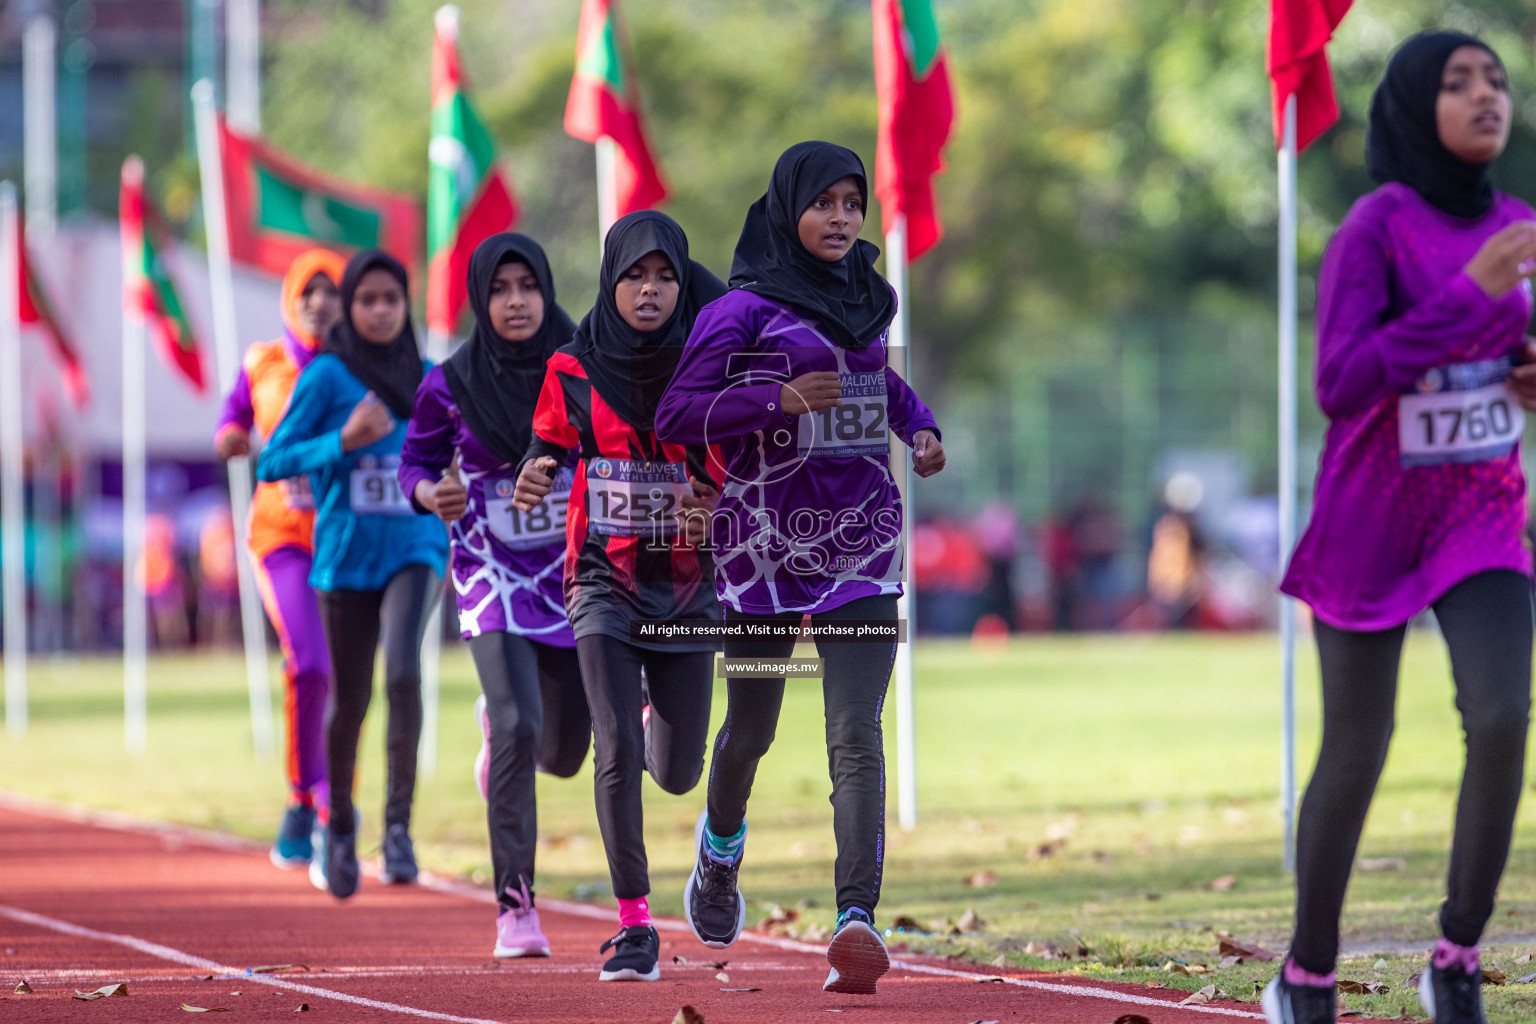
(1464,412)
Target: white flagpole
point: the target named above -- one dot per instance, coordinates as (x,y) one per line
(13,532)
(242,74)
(135,610)
(40,142)
(906,723)
(607,188)
(226,347)
(1287,177)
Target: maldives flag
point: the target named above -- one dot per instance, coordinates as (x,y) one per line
(604,102)
(1299,31)
(36,311)
(278,207)
(147,287)
(468,195)
(916,113)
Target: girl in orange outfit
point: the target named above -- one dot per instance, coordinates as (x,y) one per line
(282,515)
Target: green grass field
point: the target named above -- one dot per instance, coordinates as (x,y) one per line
(1106,783)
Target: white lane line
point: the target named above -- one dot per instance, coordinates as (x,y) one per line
(220,840)
(160,952)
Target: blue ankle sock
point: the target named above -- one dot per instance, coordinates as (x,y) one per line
(726,850)
(843,916)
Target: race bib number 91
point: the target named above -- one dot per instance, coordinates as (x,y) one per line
(1460,413)
(375,489)
(629,498)
(857,427)
(543,526)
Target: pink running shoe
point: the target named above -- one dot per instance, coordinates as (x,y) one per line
(517,930)
(483,759)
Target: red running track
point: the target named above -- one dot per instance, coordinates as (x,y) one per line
(89,899)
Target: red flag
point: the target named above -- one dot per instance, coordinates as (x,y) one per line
(37,311)
(1299,31)
(278,207)
(469,196)
(148,290)
(604,102)
(916,113)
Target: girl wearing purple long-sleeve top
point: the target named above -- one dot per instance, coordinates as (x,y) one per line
(474,414)
(1423,302)
(788,374)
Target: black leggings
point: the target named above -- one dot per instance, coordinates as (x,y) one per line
(538,716)
(671,747)
(855,676)
(1486,620)
(354,622)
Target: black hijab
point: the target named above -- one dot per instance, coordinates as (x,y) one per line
(1403,143)
(630,369)
(392,371)
(849,298)
(495,382)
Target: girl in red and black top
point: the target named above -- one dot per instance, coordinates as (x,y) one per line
(633,554)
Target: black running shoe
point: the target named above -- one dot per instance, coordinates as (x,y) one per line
(857,955)
(1284,1003)
(399,857)
(1451,995)
(715,908)
(341,871)
(635,952)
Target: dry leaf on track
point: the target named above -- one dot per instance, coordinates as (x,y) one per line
(22,988)
(301,1008)
(1199,998)
(741,990)
(204,1009)
(120,989)
(723,978)
(278,968)
(1156,984)
(1131,1018)
(688,1015)
(681,961)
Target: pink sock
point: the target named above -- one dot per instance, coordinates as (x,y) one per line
(634,912)
(1448,953)
(1296,975)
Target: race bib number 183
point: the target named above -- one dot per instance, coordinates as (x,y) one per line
(1464,412)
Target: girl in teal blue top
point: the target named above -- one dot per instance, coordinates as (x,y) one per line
(377,564)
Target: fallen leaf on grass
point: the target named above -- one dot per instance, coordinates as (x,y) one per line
(1523,958)
(1526,979)
(1340,1010)
(278,968)
(1154,896)
(103,992)
(22,988)
(1379,965)
(1493,976)
(906,924)
(1001,961)
(723,978)
(1230,961)
(681,961)
(1043,950)
(970,921)
(688,1015)
(1382,864)
(982,880)
(777,920)
(1223,884)
(1174,967)
(1198,969)
(1230,947)
(204,1009)
(1199,998)
(1131,1018)
(1362,988)
(1041,851)
(1413,980)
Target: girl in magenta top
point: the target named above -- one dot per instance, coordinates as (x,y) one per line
(1423,301)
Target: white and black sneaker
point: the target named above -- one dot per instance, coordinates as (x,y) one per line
(1452,995)
(636,950)
(712,902)
(857,955)
(1285,1003)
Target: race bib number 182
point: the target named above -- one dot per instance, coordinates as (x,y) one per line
(856,427)
(1464,412)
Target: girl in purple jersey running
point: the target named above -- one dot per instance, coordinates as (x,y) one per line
(788,375)
(474,414)
(1423,301)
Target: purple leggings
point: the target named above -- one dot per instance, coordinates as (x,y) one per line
(283,576)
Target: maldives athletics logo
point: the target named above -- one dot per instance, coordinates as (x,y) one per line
(603,468)
(503,488)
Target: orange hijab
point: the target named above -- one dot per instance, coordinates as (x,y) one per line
(305,266)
